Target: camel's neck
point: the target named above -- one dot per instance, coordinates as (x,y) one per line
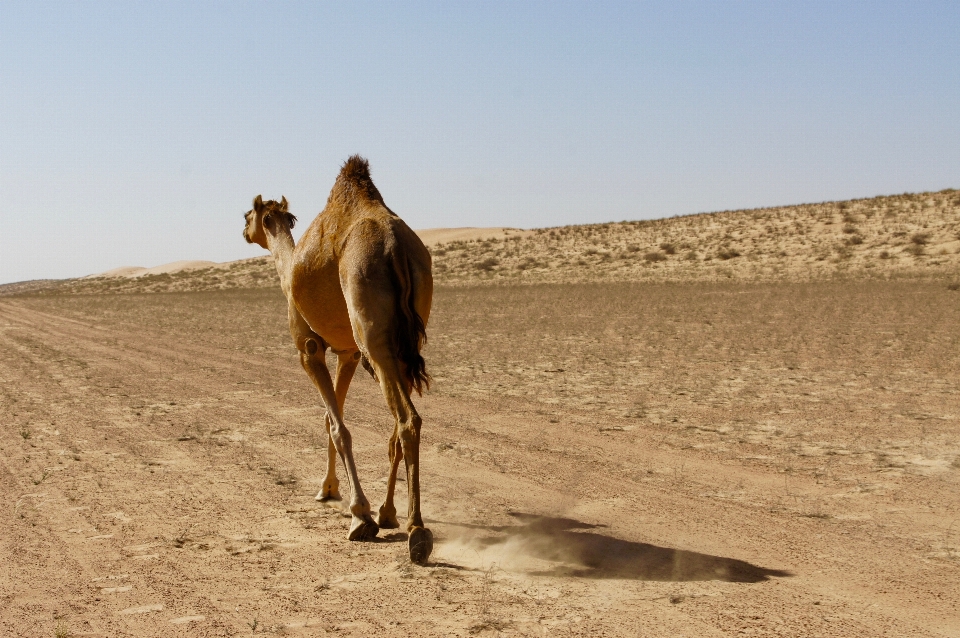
(281,247)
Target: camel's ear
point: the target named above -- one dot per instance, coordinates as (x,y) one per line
(283,203)
(258,203)
(291,220)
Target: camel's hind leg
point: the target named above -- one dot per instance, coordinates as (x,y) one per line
(407,438)
(372,303)
(388,512)
(363,526)
(405,443)
(346,366)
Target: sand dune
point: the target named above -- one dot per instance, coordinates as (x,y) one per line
(430,237)
(132,272)
(434,236)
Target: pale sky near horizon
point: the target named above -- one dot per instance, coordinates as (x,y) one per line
(135,133)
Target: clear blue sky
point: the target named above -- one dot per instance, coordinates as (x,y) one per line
(137,133)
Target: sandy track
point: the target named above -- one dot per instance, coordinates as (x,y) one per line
(597,461)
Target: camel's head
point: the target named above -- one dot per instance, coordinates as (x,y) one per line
(265,218)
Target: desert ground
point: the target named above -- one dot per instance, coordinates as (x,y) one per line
(757,444)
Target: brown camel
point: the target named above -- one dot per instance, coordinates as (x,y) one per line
(359,283)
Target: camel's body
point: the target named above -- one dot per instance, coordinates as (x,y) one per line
(359,282)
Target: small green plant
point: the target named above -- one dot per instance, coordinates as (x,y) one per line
(61,630)
(25,432)
(486,619)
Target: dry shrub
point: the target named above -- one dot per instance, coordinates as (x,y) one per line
(655,257)
(920,239)
(668,248)
(728,253)
(528,262)
(488,264)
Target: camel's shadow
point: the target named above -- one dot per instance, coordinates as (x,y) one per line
(589,554)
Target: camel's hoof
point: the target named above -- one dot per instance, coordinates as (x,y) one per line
(363,530)
(421,545)
(325,495)
(387,520)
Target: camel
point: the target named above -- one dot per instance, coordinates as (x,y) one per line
(359,282)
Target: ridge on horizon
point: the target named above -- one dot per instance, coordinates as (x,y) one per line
(910,233)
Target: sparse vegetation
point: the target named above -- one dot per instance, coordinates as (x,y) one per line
(801,240)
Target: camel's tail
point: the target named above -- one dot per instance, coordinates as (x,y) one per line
(411,332)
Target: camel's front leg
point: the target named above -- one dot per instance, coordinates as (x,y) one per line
(346,366)
(363,526)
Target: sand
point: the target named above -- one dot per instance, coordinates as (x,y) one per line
(597,460)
